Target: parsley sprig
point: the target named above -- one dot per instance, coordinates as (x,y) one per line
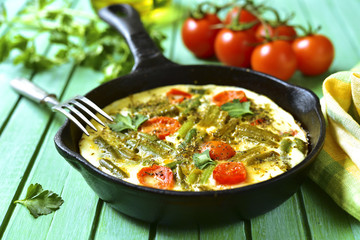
(237,108)
(122,122)
(39,201)
(78,36)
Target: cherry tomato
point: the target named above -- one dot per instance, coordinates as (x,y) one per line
(177,96)
(244,17)
(234,48)
(218,150)
(284,32)
(229,173)
(275,58)
(228,96)
(314,54)
(160,126)
(199,35)
(156,177)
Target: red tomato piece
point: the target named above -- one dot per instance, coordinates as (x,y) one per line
(199,35)
(229,173)
(314,54)
(156,177)
(228,96)
(177,96)
(234,48)
(218,150)
(275,58)
(160,126)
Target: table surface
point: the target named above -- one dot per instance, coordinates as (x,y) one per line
(29,155)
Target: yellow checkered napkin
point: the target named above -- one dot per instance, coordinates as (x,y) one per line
(337,168)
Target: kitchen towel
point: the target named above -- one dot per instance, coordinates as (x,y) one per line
(337,167)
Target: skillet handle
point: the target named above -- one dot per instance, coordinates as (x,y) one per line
(126,20)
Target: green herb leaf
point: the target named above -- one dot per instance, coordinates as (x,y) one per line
(236,108)
(40,202)
(84,40)
(122,122)
(202,160)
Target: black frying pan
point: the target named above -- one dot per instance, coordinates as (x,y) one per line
(152,70)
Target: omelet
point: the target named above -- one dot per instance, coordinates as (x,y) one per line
(195,138)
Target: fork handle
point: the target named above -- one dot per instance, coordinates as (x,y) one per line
(33,92)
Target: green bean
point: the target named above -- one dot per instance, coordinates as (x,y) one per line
(211,115)
(174,164)
(301,145)
(206,174)
(180,177)
(188,124)
(258,135)
(118,152)
(249,153)
(194,176)
(153,138)
(189,136)
(263,157)
(285,145)
(115,170)
(258,132)
(228,128)
(156,147)
(167,110)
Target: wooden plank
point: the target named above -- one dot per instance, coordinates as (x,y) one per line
(326,219)
(235,230)
(177,232)
(19,140)
(284,222)
(114,225)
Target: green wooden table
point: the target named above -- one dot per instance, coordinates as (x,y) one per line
(28,153)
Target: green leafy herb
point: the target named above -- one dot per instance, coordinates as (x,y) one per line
(236,108)
(39,201)
(75,36)
(202,160)
(122,122)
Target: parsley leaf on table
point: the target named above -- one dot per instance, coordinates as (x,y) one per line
(40,202)
(122,122)
(236,108)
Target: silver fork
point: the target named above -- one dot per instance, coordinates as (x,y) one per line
(72,109)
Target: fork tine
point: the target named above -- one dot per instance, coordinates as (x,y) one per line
(94,106)
(72,118)
(79,114)
(85,109)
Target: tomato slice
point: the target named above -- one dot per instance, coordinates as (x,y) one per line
(177,96)
(160,126)
(156,177)
(229,173)
(218,150)
(228,96)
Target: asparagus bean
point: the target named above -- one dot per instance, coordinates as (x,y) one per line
(185,128)
(194,176)
(263,157)
(118,152)
(115,170)
(211,115)
(301,145)
(206,174)
(189,136)
(285,145)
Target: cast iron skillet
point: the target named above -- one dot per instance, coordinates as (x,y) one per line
(152,70)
